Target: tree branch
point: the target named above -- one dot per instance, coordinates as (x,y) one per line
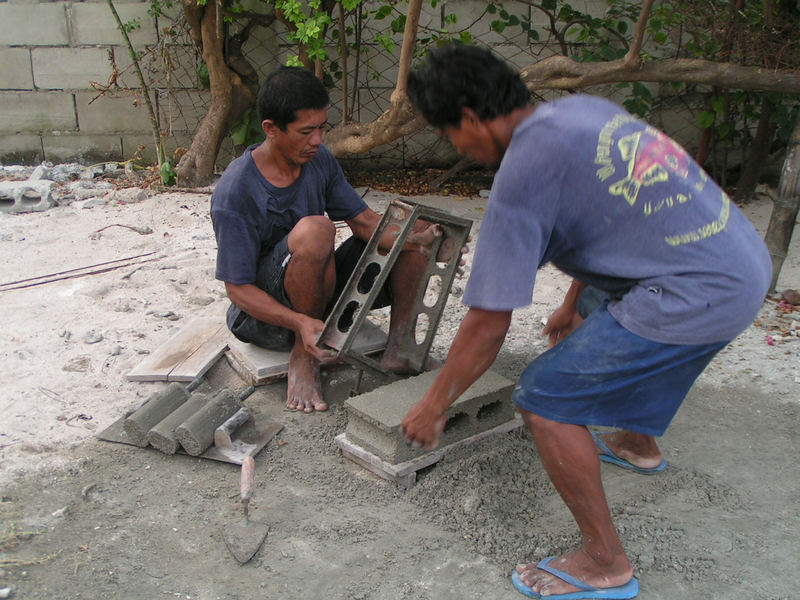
(634,54)
(563,73)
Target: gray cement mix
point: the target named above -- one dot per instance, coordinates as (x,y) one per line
(83,519)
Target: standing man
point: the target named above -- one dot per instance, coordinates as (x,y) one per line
(618,206)
(276,244)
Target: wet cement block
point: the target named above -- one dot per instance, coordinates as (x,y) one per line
(374,418)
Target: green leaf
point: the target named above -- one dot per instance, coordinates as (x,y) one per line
(498,26)
(466,37)
(642,91)
(399,24)
(383,12)
(718,104)
(167,172)
(239,133)
(491,9)
(706,119)
(549,4)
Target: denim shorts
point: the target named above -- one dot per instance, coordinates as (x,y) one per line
(602,374)
(270,278)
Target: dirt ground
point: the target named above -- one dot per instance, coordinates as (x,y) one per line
(83,518)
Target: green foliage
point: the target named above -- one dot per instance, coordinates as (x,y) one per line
(203,78)
(309,21)
(157,7)
(132,25)
(167,172)
(247,130)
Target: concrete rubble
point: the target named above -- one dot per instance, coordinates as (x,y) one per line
(32,189)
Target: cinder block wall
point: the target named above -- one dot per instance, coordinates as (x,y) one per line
(51,54)
(54,57)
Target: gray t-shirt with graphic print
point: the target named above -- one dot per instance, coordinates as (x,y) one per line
(250,215)
(617,204)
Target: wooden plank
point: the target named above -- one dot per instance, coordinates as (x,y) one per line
(176,350)
(258,366)
(201,360)
(404,473)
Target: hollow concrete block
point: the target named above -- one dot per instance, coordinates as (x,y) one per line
(25,196)
(374,419)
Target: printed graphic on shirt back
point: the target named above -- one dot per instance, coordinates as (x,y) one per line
(650,158)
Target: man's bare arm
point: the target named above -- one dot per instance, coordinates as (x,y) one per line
(420,240)
(473,351)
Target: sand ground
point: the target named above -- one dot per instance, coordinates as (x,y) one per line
(83,518)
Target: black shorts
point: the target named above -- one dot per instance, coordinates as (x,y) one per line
(270,278)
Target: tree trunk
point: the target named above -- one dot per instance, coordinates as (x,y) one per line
(231,96)
(396,122)
(758,152)
(784,213)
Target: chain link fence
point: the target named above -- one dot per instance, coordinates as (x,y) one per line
(178,79)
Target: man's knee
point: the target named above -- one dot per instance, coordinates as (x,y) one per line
(313,236)
(536,423)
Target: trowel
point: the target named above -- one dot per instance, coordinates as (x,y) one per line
(245,538)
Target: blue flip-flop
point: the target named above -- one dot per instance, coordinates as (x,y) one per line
(608,456)
(621,592)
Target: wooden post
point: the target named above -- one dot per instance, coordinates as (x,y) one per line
(784,212)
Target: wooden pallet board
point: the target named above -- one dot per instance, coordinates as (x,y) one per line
(186,355)
(404,474)
(258,366)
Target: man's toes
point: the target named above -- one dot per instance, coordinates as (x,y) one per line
(321,406)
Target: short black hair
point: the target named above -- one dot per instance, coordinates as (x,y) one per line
(456,76)
(288,90)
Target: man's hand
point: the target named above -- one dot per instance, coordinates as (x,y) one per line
(561,323)
(309,331)
(423,426)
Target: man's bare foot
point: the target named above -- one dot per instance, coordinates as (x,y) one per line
(392,363)
(638,449)
(580,566)
(304,390)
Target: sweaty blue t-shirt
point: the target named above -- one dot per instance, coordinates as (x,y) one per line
(617,204)
(250,215)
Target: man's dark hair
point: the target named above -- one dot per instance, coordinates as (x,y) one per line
(456,76)
(288,90)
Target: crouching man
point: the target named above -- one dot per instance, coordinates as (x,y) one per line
(273,212)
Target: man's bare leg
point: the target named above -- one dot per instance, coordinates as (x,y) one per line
(405,278)
(638,449)
(569,456)
(310,282)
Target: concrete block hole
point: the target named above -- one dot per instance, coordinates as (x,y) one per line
(489,411)
(456,422)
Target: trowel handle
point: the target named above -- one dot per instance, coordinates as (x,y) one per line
(248,473)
